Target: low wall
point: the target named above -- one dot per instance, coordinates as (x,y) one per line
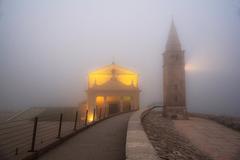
(138,147)
(231,122)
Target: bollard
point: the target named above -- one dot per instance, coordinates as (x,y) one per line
(86,117)
(75,123)
(34,135)
(60,126)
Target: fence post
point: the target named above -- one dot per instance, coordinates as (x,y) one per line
(105,111)
(79,119)
(86,117)
(60,126)
(16,151)
(100,114)
(34,134)
(75,123)
(94,112)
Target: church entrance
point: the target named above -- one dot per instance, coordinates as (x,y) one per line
(127,101)
(113,108)
(113,104)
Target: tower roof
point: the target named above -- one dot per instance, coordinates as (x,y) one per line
(173,42)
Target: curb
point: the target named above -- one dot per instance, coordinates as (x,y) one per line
(138,146)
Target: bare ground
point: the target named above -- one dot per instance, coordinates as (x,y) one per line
(218,141)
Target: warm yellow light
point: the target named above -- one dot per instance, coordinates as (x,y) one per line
(127,98)
(90,117)
(128,79)
(98,79)
(189,67)
(112,99)
(103,75)
(99,101)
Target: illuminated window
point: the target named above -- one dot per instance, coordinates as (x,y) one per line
(99,101)
(127,98)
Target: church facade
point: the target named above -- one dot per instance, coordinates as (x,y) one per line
(174,90)
(112,89)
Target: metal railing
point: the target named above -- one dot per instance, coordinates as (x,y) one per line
(23,138)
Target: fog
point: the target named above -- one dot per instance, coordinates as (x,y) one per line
(48,47)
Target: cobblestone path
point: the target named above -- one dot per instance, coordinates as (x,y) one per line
(220,142)
(168,143)
(104,141)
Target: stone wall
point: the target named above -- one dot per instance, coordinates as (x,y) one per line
(228,121)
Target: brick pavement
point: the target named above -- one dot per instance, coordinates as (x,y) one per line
(168,143)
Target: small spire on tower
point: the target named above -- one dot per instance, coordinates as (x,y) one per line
(173,42)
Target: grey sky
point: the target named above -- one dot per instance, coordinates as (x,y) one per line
(48,47)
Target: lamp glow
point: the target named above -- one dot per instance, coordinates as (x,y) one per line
(189,67)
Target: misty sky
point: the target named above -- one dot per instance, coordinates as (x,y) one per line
(48,47)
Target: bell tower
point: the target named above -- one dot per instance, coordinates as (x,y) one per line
(174,92)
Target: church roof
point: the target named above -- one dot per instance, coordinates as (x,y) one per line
(173,42)
(113,67)
(111,73)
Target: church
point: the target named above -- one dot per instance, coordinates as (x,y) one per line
(113,88)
